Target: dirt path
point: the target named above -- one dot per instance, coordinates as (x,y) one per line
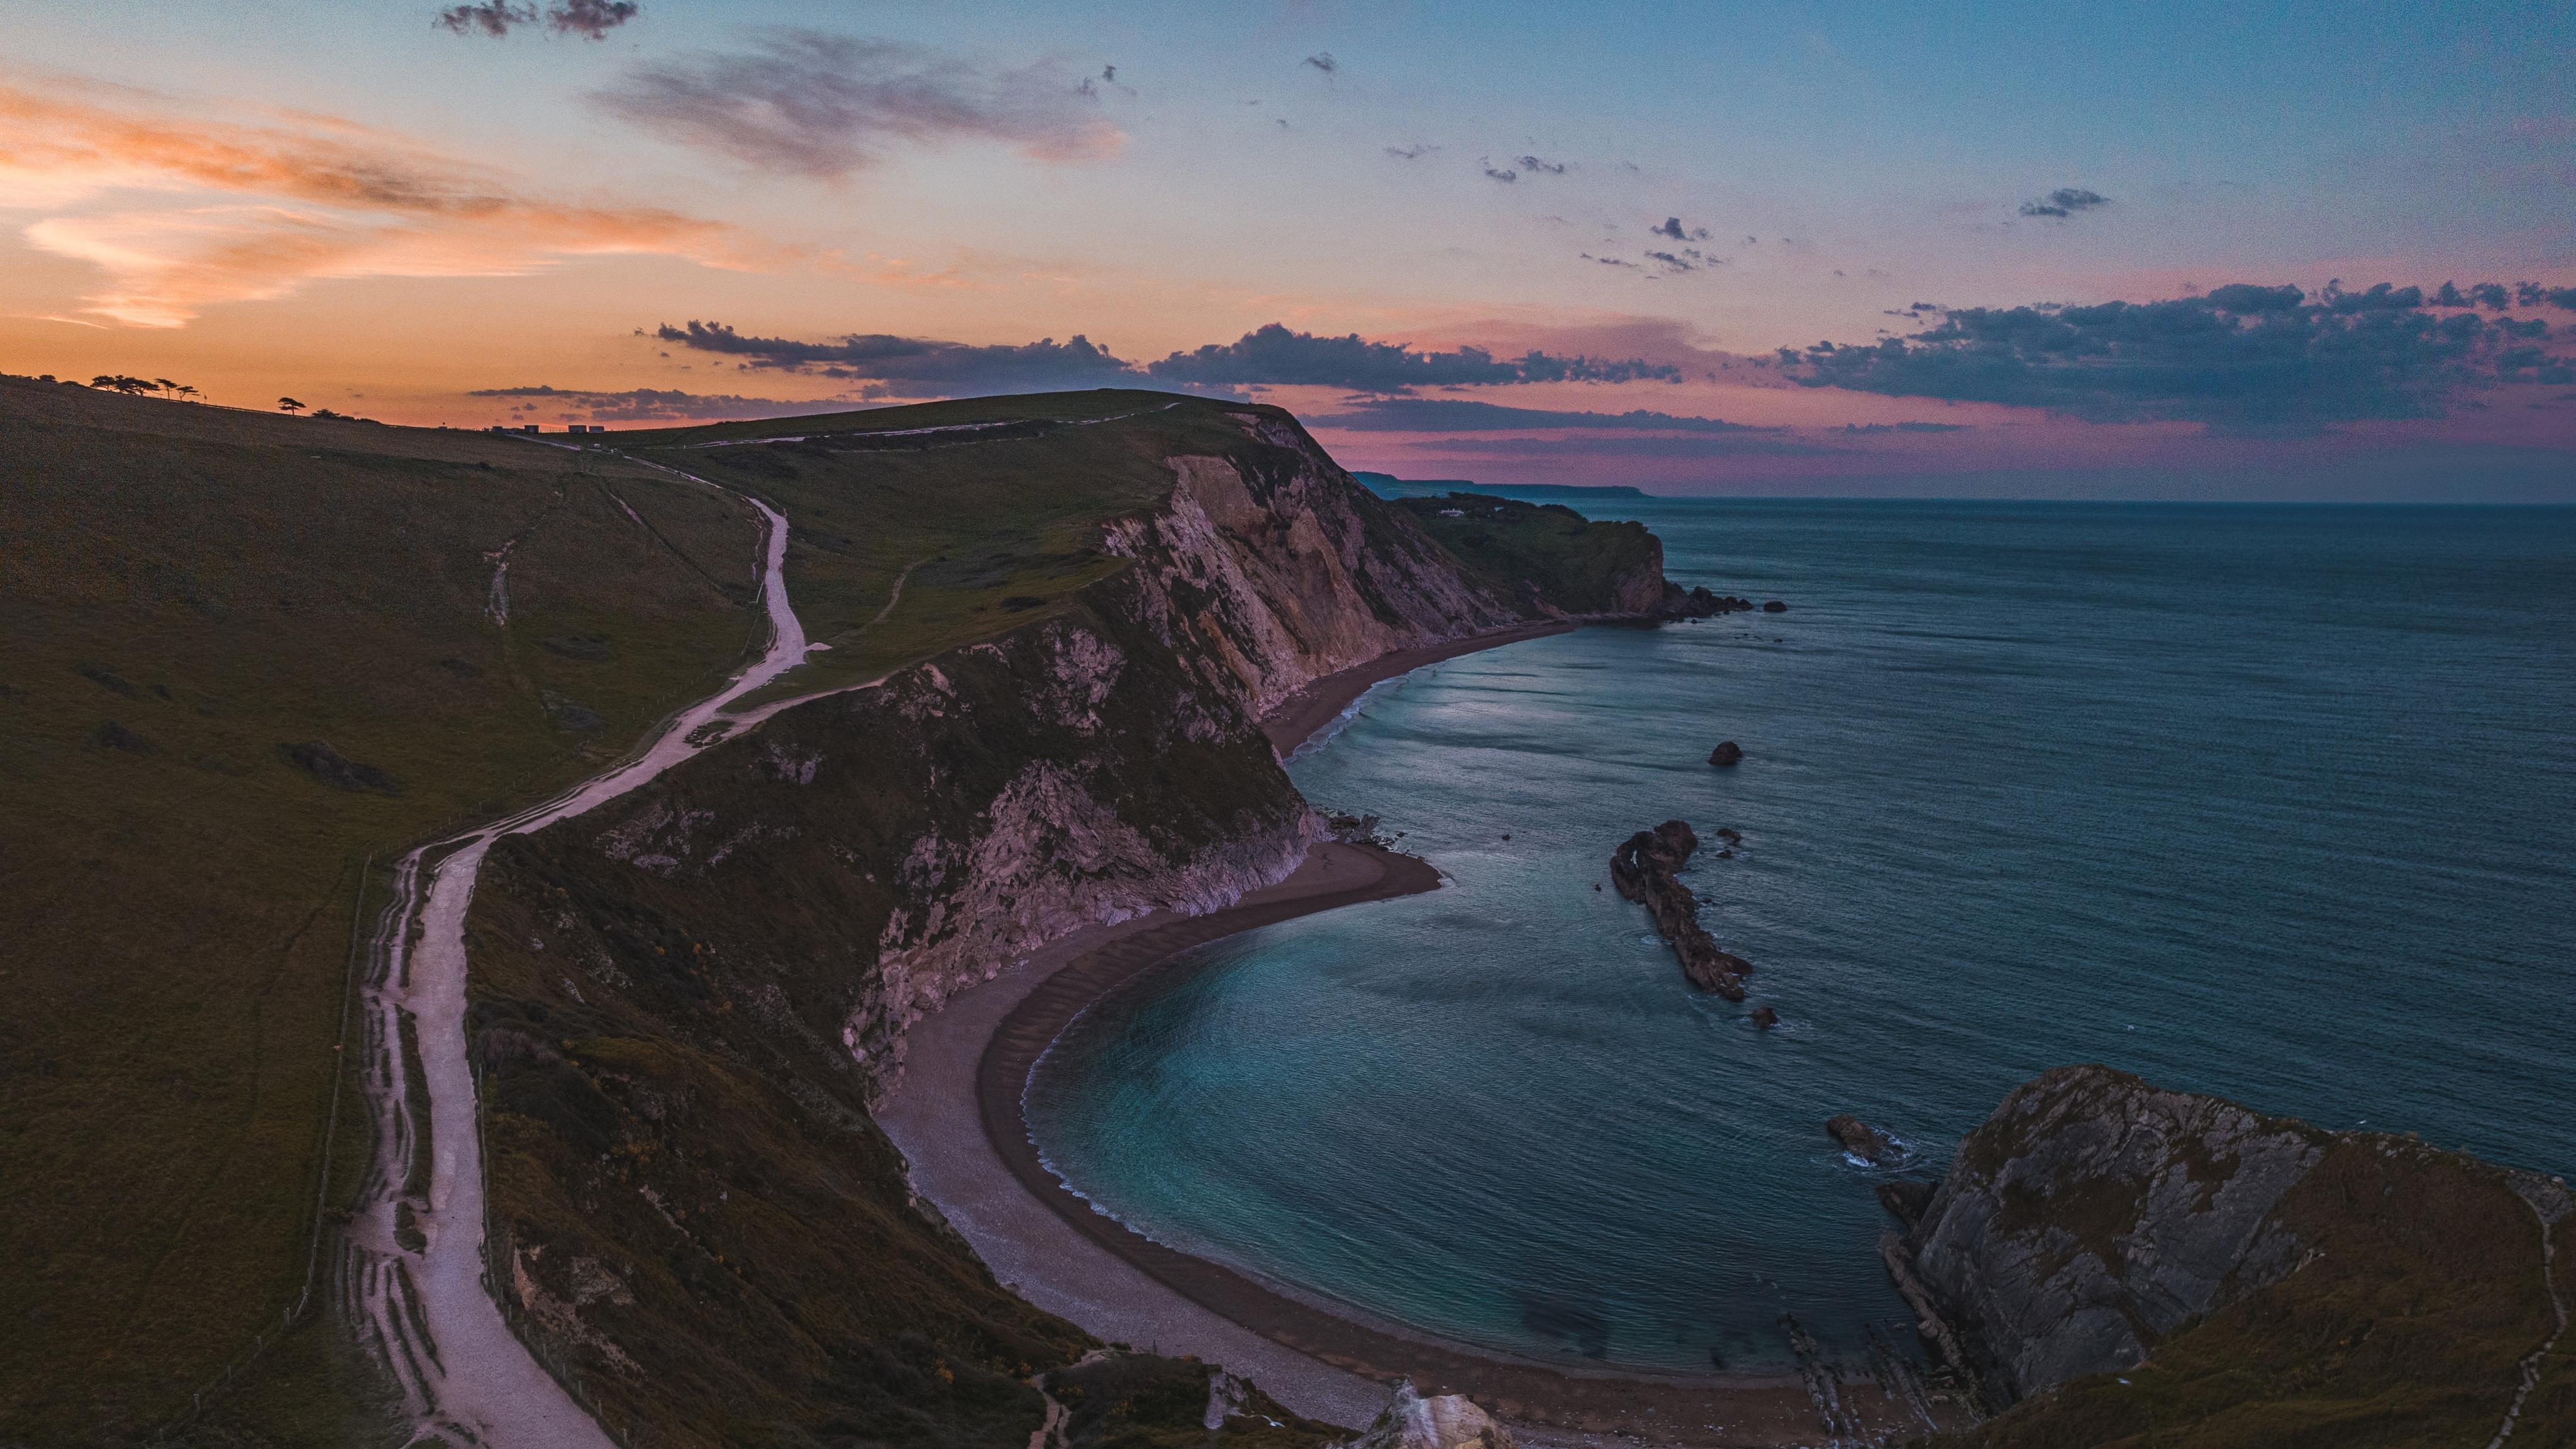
(2538,1358)
(415,1274)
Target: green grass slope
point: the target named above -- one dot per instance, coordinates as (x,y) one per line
(192,594)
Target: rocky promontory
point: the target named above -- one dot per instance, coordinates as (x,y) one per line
(2105,1254)
(1646,869)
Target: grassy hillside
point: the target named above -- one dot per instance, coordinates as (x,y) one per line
(196,597)
(989,523)
(715,1244)
(249,653)
(1546,552)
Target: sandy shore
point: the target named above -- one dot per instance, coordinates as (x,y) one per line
(958,1118)
(1299,716)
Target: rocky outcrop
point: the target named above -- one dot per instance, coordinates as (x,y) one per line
(1264,574)
(1646,869)
(2105,1254)
(1860,1140)
(2092,1214)
(1448,1421)
(1697,603)
(1727,753)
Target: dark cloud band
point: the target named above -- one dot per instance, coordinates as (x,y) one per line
(1271,356)
(2240,356)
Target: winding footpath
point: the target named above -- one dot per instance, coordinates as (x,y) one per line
(414,1277)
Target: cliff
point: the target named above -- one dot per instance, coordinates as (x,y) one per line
(685,1001)
(1551,560)
(2105,1256)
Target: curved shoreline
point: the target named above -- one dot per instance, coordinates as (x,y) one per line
(1103,1274)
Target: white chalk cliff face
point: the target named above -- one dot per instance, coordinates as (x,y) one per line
(894,846)
(1279,581)
(1449,1421)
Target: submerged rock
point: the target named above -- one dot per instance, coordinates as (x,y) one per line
(1728,752)
(1861,1140)
(1646,869)
(1765,1018)
(1774,606)
(1448,1421)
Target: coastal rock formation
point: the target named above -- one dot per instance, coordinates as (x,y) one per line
(1698,603)
(1728,752)
(2221,1258)
(1870,1144)
(1645,868)
(1553,562)
(1448,1421)
(1906,1198)
(1774,606)
(2092,1214)
(1765,1018)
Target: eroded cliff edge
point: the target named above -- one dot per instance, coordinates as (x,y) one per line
(2106,1256)
(685,1002)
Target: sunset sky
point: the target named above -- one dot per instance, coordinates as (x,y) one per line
(466,214)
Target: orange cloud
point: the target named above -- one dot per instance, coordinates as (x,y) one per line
(184,213)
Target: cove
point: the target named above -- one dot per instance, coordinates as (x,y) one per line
(2268,802)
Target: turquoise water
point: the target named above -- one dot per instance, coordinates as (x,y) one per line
(2274,803)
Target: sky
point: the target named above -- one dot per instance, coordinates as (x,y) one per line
(1989,248)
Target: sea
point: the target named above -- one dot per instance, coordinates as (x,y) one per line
(2277,803)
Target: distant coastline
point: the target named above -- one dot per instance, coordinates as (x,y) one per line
(1387,485)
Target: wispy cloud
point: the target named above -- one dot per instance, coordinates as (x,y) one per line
(2064,202)
(208,211)
(813,104)
(590,19)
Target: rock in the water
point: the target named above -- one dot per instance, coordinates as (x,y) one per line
(1728,752)
(1765,1018)
(1906,1198)
(1774,606)
(1699,603)
(1448,1421)
(1861,1140)
(1646,870)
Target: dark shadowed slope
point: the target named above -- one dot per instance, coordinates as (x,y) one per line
(243,654)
